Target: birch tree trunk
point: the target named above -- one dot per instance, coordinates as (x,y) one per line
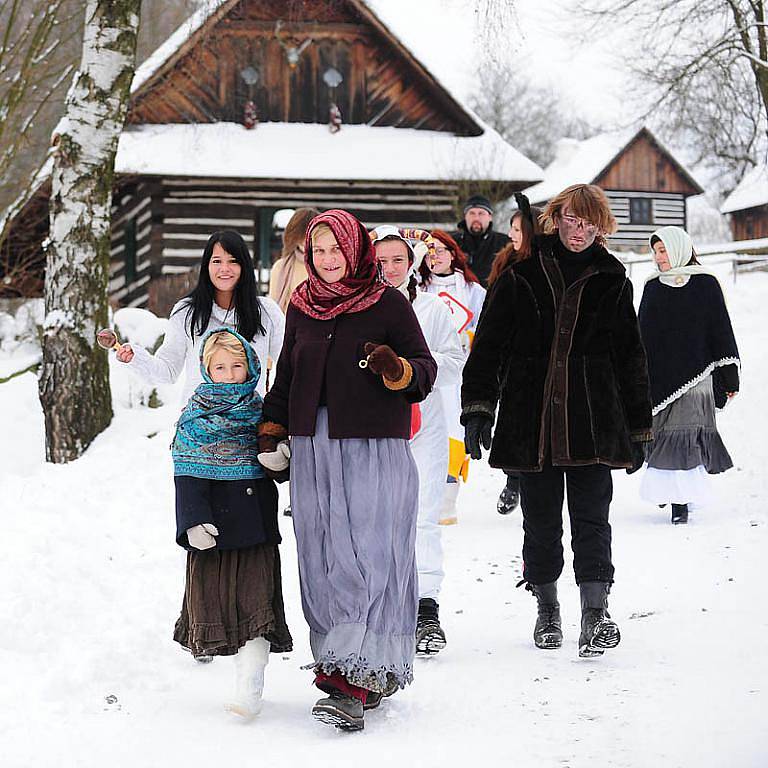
(74,379)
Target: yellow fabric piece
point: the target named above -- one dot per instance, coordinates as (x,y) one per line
(458,461)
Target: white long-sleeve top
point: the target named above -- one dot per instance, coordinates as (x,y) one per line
(470,295)
(178,354)
(440,334)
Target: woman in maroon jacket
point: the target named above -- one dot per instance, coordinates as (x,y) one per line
(353,361)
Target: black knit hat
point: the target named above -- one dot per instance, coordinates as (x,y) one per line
(478,201)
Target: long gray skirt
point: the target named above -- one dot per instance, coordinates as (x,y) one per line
(685,435)
(354,505)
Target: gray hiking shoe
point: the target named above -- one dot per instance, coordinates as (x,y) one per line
(338,709)
(598,630)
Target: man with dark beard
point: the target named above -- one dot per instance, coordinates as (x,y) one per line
(476,237)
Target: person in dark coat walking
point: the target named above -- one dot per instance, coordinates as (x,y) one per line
(523,227)
(693,363)
(558,350)
(476,237)
(353,361)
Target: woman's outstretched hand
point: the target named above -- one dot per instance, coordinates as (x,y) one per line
(124,354)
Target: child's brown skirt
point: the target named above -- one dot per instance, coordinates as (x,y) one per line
(232,596)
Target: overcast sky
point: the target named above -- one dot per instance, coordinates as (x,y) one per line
(543,36)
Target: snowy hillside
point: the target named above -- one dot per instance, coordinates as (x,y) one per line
(92,583)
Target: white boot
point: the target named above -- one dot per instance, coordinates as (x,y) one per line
(250,662)
(449,514)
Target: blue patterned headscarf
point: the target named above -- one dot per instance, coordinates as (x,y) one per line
(216,435)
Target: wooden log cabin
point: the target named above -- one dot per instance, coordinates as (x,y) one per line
(646,186)
(236,116)
(747,207)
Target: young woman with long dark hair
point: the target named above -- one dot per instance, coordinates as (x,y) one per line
(225,296)
(523,227)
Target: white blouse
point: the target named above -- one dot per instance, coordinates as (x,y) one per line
(177,353)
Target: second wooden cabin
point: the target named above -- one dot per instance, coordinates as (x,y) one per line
(645,184)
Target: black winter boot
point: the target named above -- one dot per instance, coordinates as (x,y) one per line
(679,514)
(430,638)
(548,632)
(509,498)
(598,630)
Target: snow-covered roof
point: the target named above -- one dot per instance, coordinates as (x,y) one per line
(751,192)
(582,162)
(578,162)
(311,151)
(164,52)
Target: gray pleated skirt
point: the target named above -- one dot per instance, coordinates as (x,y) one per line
(685,435)
(354,505)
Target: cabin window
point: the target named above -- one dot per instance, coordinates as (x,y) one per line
(640,210)
(129,251)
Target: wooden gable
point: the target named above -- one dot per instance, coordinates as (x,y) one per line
(646,166)
(383,84)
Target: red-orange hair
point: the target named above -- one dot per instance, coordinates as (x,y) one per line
(458,259)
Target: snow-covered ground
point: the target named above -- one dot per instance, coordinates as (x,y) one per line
(92,582)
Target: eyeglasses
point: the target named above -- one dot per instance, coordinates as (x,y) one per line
(576,223)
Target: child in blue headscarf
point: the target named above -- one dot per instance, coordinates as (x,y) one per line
(226,516)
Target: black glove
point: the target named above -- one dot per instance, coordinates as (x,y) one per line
(477,432)
(638,457)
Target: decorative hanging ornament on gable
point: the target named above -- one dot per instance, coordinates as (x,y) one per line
(334,119)
(250,115)
(333,79)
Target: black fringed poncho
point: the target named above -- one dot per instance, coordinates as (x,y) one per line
(687,335)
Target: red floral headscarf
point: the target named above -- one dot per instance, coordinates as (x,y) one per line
(359,289)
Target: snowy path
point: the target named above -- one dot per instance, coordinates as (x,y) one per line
(91,585)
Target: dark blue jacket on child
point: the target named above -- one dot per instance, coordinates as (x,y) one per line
(217,475)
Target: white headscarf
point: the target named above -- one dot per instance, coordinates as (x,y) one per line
(679,251)
(417,241)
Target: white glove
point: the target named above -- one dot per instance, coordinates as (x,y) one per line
(276,460)
(202,536)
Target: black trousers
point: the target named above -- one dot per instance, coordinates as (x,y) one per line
(589,490)
(513,480)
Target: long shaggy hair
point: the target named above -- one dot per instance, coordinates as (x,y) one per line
(587,201)
(458,259)
(199,301)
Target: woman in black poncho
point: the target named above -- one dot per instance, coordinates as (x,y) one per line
(693,364)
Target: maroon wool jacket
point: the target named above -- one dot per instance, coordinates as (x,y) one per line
(359,405)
